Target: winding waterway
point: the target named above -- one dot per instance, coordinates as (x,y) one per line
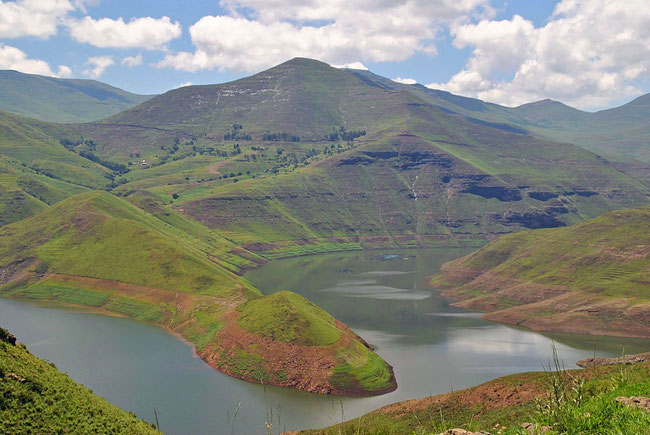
(432,346)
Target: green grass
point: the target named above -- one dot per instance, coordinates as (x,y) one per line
(604,256)
(290,318)
(586,405)
(36,398)
(101,236)
(371,375)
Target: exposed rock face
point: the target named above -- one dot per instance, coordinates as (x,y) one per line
(532,219)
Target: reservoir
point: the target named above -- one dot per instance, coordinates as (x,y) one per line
(433,347)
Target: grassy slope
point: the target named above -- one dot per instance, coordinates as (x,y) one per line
(504,404)
(617,133)
(25,192)
(591,277)
(99,250)
(33,143)
(36,398)
(62,100)
(471,180)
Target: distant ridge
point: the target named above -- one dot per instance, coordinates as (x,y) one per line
(62,100)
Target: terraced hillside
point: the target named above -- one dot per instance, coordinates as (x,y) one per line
(590,278)
(98,250)
(37,398)
(62,100)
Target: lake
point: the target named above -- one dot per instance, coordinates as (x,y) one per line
(383,296)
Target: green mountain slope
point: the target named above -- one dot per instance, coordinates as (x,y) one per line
(35,144)
(25,192)
(620,133)
(99,250)
(36,398)
(421,174)
(589,278)
(62,100)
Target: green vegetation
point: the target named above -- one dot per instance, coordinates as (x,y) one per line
(290,318)
(195,194)
(601,263)
(619,133)
(554,402)
(62,100)
(36,398)
(368,374)
(154,264)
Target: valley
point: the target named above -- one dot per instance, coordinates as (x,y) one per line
(178,209)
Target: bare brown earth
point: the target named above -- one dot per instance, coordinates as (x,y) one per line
(283,364)
(540,307)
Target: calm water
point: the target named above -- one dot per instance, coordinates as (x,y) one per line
(433,347)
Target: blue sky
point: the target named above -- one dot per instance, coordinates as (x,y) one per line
(587,53)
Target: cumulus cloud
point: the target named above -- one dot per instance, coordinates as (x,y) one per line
(146,32)
(38,18)
(260,33)
(64,71)
(352,65)
(588,54)
(97,65)
(132,61)
(16,59)
(405,81)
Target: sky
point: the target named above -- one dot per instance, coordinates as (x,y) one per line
(590,54)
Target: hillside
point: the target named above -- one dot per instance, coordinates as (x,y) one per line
(36,398)
(98,250)
(62,100)
(305,152)
(590,278)
(620,133)
(594,400)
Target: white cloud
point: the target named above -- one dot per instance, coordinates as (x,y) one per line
(588,55)
(38,18)
(182,85)
(16,59)
(405,81)
(132,61)
(64,71)
(146,32)
(335,31)
(97,65)
(352,65)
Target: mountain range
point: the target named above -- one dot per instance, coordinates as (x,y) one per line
(156,211)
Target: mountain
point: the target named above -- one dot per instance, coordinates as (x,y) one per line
(62,100)
(590,278)
(204,182)
(99,250)
(264,161)
(37,398)
(620,133)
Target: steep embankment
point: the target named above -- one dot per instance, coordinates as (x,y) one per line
(36,398)
(590,278)
(99,250)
